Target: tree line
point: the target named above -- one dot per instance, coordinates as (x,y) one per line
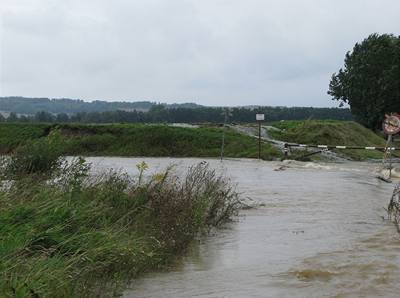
(30,106)
(161,114)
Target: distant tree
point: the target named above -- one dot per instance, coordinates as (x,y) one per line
(12,117)
(2,118)
(62,118)
(370,79)
(23,118)
(159,113)
(43,116)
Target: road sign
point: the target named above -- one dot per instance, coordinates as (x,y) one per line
(260,117)
(391,124)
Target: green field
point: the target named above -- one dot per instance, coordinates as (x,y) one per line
(136,140)
(152,140)
(331,132)
(14,134)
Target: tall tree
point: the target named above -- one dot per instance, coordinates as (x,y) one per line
(13,117)
(43,116)
(370,79)
(62,118)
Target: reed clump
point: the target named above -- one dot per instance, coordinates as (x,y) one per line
(394,207)
(66,233)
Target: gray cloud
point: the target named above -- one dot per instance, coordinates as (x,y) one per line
(214,52)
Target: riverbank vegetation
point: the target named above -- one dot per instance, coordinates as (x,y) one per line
(394,207)
(135,140)
(65,233)
(330,132)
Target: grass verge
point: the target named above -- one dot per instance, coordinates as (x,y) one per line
(136,140)
(65,234)
(331,132)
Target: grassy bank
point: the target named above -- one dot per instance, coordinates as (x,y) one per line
(65,234)
(136,140)
(326,132)
(163,140)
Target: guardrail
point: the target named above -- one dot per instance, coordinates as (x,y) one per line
(341,147)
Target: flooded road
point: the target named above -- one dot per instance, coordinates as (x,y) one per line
(318,232)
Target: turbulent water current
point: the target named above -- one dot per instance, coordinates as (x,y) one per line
(319,230)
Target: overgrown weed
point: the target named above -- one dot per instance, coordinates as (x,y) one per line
(64,233)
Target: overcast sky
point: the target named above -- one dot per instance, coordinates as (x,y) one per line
(212,52)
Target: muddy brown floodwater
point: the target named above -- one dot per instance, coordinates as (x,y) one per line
(319,232)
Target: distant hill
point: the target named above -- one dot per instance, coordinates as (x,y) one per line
(30,106)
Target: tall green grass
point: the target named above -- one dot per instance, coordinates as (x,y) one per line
(331,132)
(64,233)
(14,134)
(139,140)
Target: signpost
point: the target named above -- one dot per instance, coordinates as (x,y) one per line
(391,127)
(391,124)
(226,113)
(259,118)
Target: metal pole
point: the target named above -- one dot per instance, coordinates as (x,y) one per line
(259,139)
(390,156)
(285,150)
(223,136)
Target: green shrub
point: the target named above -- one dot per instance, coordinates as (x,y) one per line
(81,236)
(13,135)
(40,157)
